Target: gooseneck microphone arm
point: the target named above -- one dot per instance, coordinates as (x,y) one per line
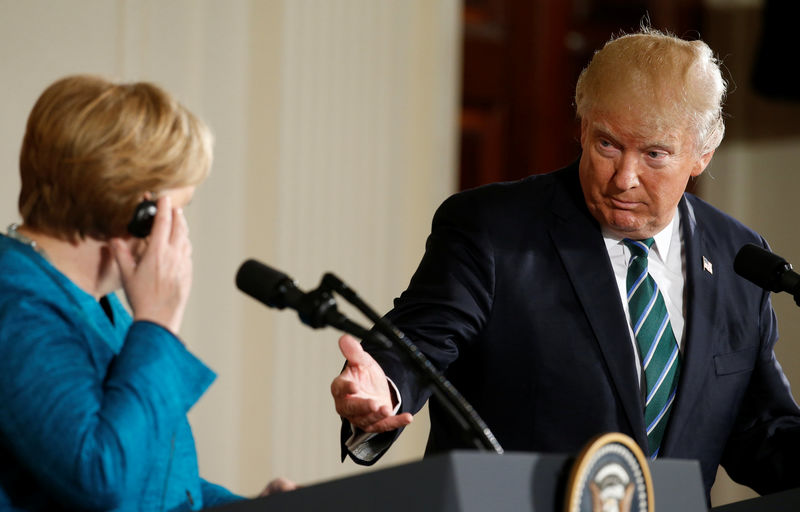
(459,408)
(317,309)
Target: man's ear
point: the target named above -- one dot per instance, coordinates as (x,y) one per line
(702,163)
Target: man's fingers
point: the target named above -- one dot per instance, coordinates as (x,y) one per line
(366,415)
(341,387)
(357,408)
(352,351)
(390,423)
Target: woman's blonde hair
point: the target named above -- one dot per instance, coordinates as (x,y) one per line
(93,148)
(664,77)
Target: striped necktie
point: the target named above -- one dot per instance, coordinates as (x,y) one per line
(657,345)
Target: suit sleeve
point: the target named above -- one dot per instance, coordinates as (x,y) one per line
(763,450)
(84,432)
(444,308)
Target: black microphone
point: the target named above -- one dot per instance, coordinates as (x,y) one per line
(267,285)
(767,270)
(316,308)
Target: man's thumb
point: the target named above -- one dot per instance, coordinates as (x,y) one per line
(352,351)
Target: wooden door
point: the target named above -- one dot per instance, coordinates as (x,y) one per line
(521,59)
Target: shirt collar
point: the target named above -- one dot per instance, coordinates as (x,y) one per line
(663,239)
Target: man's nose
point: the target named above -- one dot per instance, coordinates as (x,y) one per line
(626,172)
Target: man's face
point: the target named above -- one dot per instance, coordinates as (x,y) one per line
(633,174)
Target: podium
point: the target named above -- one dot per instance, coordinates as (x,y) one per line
(469,481)
(786,501)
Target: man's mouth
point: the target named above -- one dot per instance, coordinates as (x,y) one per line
(623,204)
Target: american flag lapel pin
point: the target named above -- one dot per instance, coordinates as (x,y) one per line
(707,266)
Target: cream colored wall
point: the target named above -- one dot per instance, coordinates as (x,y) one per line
(365,152)
(335,141)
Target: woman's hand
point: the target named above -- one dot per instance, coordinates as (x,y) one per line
(280,484)
(156,274)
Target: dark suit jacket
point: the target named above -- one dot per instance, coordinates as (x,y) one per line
(516,300)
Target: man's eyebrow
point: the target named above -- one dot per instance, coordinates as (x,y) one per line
(603,131)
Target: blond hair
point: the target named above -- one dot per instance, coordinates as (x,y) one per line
(666,78)
(93,148)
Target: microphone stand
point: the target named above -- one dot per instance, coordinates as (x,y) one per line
(472,426)
(317,308)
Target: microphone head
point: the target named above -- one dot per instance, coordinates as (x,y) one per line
(263,283)
(761,267)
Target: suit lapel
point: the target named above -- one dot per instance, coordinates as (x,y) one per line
(580,245)
(701,301)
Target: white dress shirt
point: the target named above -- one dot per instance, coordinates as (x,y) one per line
(666,263)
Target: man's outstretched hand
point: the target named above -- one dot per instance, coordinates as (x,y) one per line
(362,393)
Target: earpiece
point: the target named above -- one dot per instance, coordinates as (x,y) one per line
(142,221)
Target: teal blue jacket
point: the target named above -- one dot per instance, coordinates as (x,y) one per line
(92,405)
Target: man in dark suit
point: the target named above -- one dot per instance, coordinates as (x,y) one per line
(597,298)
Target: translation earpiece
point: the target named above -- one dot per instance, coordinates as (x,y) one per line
(142,221)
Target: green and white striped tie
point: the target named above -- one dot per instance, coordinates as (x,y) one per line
(657,345)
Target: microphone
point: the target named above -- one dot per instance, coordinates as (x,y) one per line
(767,270)
(317,308)
(275,289)
(267,285)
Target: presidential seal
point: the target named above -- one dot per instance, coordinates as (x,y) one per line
(610,475)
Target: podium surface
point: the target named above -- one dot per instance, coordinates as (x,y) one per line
(469,481)
(786,501)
